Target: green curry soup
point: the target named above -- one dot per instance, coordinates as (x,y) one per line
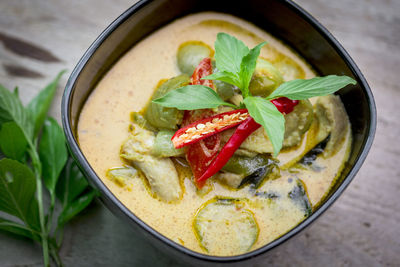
(255,198)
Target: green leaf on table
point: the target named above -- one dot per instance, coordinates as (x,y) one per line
(229,53)
(16,91)
(17,191)
(12,141)
(16,228)
(318,86)
(40,105)
(248,66)
(11,109)
(73,191)
(75,207)
(52,152)
(192,97)
(71,183)
(266,114)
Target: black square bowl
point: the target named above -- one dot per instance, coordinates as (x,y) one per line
(286,21)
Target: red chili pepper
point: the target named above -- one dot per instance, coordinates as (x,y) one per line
(202,70)
(284,104)
(204,128)
(241,133)
(202,153)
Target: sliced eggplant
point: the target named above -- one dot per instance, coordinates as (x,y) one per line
(311,155)
(262,174)
(286,196)
(297,123)
(163,146)
(122,176)
(224,227)
(162,117)
(240,170)
(266,78)
(299,196)
(230,179)
(190,54)
(332,118)
(139,119)
(257,142)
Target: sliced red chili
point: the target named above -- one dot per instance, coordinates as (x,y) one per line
(241,133)
(202,70)
(200,154)
(206,127)
(284,104)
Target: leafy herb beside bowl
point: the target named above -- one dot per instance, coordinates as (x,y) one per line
(33,153)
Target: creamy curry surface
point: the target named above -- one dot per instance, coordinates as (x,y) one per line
(128,86)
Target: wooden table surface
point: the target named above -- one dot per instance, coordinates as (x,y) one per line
(361,228)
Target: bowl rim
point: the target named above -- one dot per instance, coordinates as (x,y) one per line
(106,193)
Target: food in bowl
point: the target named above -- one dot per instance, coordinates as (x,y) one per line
(222,164)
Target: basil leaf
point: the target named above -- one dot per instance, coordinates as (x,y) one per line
(12,141)
(71,183)
(52,152)
(17,191)
(73,208)
(39,105)
(229,52)
(247,68)
(318,86)
(191,97)
(17,229)
(266,114)
(225,77)
(11,109)
(70,190)
(16,91)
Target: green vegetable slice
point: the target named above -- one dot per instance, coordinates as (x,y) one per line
(288,198)
(163,146)
(190,54)
(122,175)
(297,123)
(266,78)
(224,227)
(164,117)
(299,196)
(139,119)
(241,170)
(247,165)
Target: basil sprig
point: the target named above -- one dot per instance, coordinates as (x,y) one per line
(192,97)
(236,64)
(28,160)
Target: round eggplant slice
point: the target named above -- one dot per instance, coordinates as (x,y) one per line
(162,117)
(123,176)
(266,78)
(224,227)
(190,54)
(297,123)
